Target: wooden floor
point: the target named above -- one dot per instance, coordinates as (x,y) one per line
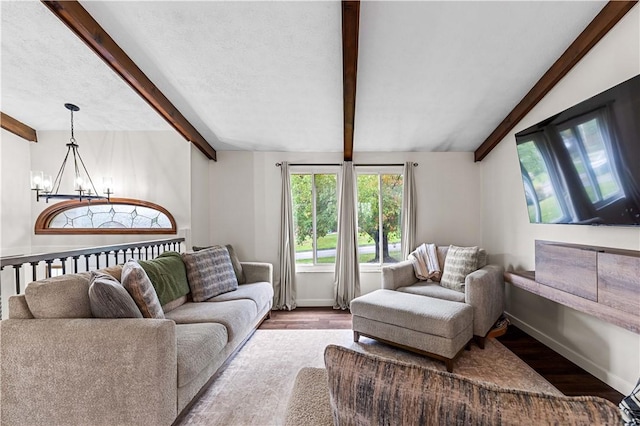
(557,370)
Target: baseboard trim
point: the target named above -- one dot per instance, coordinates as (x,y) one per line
(314,303)
(612,380)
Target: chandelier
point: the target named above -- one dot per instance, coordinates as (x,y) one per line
(83,184)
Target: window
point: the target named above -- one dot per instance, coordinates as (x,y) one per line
(379,216)
(117,216)
(315,216)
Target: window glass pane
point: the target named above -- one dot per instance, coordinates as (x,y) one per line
(315,219)
(542,202)
(391,217)
(577,157)
(368,218)
(111,216)
(599,159)
(326,217)
(302,205)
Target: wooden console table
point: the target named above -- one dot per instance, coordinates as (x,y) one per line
(599,281)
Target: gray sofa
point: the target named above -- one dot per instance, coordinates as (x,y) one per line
(59,365)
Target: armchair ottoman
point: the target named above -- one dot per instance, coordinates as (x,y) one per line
(433,327)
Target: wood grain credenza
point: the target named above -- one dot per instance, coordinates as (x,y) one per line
(600,281)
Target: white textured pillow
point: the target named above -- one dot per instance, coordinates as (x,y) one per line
(460,262)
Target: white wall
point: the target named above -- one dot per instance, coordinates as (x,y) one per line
(160,167)
(200,199)
(15,218)
(246,194)
(608,352)
(151,166)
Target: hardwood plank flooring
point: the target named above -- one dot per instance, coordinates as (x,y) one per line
(557,370)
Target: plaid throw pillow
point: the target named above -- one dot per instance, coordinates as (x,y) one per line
(460,262)
(210,273)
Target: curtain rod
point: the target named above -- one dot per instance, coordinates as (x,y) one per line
(339,164)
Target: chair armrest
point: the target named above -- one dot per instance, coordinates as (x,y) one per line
(398,275)
(256,272)
(484,290)
(88,371)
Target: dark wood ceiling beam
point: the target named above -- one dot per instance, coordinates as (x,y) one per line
(84,26)
(608,17)
(350,30)
(18,128)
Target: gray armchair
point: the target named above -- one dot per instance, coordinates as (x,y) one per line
(484,290)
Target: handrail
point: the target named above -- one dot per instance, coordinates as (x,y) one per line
(138,250)
(29,258)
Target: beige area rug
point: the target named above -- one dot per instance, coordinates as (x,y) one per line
(254,388)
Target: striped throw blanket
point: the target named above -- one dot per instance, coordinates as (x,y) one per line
(425,262)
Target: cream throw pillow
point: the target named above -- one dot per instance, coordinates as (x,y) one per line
(460,262)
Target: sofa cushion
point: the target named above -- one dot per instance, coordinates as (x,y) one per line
(460,262)
(197,346)
(431,289)
(139,286)
(260,293)
(235,261)
(209,273)
(238,316)
(64,296)
(168,275)
(109,299)
(367,389)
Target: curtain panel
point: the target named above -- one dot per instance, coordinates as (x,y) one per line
(409,210)
(347,272)
(284,297)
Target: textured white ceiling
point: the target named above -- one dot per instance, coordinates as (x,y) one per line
(44,66)
(441,76)
(432,76)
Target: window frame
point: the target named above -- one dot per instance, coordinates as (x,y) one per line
(44,219)
(379,171)
(315,170)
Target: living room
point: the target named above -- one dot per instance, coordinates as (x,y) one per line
(236,199)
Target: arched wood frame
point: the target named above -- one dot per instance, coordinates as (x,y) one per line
(47,215)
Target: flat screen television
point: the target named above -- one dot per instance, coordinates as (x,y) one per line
(582,166)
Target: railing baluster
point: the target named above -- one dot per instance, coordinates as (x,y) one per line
(97,256)
(75,264)
(64,265)
(106,256)
(17,269)
(86,262)
(34,270)
(49,262)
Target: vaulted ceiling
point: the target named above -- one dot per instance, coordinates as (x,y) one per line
(268,76)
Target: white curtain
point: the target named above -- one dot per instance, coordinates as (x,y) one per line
(284,297)
(347,272)
(408,211)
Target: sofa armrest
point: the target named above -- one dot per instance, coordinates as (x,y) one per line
(256,272)
(484,290)
(398,275)
(88,371)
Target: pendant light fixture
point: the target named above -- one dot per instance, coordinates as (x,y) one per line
(83,184)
